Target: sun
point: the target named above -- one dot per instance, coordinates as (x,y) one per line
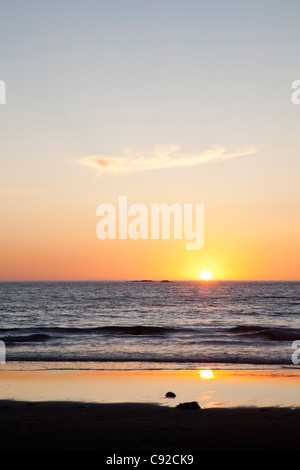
(206,374)
(206,274)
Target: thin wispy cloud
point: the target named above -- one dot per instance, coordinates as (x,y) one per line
(161,157)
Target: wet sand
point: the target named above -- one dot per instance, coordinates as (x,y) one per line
(135,428)
(126,413)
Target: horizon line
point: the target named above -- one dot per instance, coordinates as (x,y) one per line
(149,280)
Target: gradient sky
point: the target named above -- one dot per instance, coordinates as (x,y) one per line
(123,79)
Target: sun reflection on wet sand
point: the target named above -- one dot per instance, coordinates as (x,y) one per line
(210,388)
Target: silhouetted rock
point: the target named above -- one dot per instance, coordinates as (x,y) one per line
(170,395)
(191,405)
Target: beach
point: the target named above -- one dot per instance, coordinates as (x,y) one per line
(89,366)
(133,428)
(54,416)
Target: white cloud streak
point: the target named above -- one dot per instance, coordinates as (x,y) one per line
(162,157)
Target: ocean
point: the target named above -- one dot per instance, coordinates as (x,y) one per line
(149,324)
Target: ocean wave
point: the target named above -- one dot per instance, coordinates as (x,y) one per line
(201,332)
(205,359)
(134,330)
(33,338)
(272,334)
(137,330)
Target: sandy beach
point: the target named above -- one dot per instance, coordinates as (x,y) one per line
(133,428)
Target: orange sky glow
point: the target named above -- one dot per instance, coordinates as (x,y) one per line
(162,111)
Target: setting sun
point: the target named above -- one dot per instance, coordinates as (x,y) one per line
(206,274)
(206,374)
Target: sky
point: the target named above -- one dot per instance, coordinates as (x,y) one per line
(185,102)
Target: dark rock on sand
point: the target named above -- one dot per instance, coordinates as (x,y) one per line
(191,405)
(170,395)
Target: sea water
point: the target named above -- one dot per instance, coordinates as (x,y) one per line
(150,324)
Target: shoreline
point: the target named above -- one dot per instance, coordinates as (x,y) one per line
(127,412)
(139,428)
(209,387)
